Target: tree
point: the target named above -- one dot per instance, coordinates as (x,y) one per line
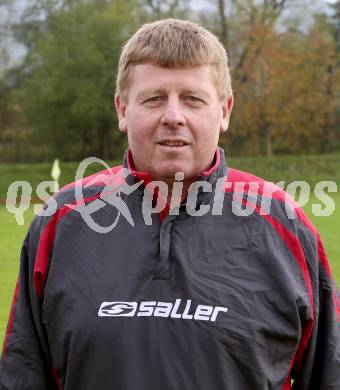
(158,9)
(69,87)
(285,82)
(6,11)
(223,22)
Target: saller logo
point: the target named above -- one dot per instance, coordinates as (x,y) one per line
(161,309)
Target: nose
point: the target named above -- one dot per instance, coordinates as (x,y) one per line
(172,116)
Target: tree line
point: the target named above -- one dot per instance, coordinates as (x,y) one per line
(58,102)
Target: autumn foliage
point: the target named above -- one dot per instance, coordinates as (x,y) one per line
(285,72)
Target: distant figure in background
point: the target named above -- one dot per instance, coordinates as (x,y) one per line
(55,173)
(198,296)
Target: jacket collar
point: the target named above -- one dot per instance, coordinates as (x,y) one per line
(217,171)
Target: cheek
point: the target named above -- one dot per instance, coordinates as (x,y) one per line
(209,118)
(215,116)
(208,127)
(141,125)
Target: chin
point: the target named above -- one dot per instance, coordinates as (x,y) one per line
(170,174)
(169,171)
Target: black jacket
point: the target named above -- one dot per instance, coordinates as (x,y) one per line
(210,302)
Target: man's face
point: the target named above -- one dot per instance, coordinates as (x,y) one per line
(173,117)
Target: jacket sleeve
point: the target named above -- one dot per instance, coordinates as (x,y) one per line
(319,368)
(25,361)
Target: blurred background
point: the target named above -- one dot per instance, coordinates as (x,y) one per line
(58,63)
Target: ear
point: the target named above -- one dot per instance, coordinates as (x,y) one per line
(121,112)
(226,112)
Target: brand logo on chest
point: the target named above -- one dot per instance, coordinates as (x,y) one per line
(175,310)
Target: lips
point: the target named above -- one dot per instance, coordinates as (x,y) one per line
(173,143)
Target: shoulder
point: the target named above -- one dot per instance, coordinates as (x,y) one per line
(76,194)
(90,186)
(269,197)
(288,224)
(238,180)
(61,210)
(272,204)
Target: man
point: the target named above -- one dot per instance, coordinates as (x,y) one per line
(217,287)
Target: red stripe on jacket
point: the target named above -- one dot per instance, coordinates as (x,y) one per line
(48,234)
(278,194)
(322,255)
(11,316)
(291,242)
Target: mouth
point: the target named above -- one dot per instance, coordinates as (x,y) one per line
(173,143)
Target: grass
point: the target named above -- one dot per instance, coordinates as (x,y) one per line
(310,168)
(11,238)
(35,173)
(329,228)
(289,168)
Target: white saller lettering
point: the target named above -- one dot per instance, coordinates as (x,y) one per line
(185,315)
(174,313)
(163,309)
(217,309)
(146,309)
(160,309)
(203,312)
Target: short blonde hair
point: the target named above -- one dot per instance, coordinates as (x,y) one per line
(174,43)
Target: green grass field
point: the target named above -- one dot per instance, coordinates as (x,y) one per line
(310,168)
(11,238)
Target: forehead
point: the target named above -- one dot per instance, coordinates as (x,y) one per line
(146,77)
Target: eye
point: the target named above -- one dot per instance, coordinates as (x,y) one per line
(153,101)
(194,100)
